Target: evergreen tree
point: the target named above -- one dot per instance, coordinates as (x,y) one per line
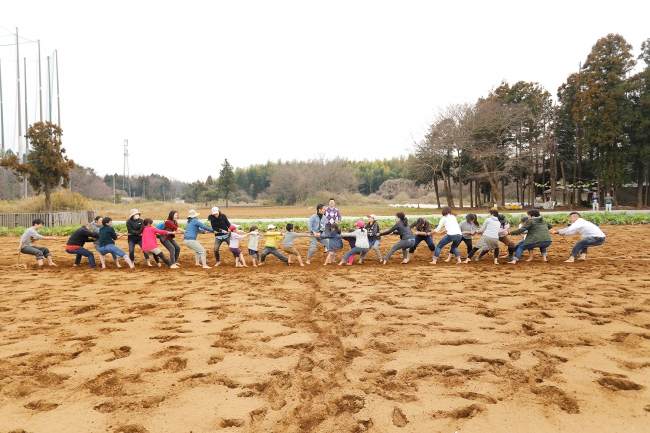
(603,106)
(47,166)
(226,180)
(639,124)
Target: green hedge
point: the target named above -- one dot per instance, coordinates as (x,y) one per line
(555,219)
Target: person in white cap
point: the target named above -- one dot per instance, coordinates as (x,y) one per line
(133,226)
(191,231)
(221,227)
(270,246)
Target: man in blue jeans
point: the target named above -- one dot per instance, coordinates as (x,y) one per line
(75,244)
(592,236)
(316,227)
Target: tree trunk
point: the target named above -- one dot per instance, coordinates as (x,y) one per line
(460,181)
(531,188)
(48,198)
(435,187)
(493,186)
(448,196)
(579,165)
(639,190)
(564,200)
(598,188)
(503,192)
(553,170)
(471,194)
(647,186)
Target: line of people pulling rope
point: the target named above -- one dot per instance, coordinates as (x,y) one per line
(321,229)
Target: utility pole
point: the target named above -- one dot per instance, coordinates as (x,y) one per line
(40,83)
(58,100)
(26,124)
(49,88)
(26,112)
(113,188)
(126,166)
(2,117)
(20,121)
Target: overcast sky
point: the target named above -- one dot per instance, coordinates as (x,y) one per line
(191,83)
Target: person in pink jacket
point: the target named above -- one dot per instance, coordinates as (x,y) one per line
(150,243)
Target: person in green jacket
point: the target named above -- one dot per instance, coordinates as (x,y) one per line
(538,236)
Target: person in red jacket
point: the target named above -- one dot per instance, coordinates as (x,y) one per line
(171,226)
(150,244)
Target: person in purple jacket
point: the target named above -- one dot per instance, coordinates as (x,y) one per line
(332,216)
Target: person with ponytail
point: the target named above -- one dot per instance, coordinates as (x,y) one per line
(171,225)
(150,244)
(407,239)
(490,239)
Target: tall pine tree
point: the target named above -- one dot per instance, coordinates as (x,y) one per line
(603,106)
(226,180)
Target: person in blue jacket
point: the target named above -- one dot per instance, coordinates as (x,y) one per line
(191,231)
(316,227)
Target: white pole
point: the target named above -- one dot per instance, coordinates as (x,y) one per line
(20,128)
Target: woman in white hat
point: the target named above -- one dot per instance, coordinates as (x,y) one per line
(134,226)
(191,231)
(221,227)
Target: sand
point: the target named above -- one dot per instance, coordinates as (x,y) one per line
(536,347)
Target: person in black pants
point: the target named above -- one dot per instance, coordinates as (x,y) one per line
(171,225)
(407,240)
(221,226)
(134,226)
(468,228)
(422,233)
(75,245)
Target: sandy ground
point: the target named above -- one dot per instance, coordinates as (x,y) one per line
(536,347)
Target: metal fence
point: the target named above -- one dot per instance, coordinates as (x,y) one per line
(51,219)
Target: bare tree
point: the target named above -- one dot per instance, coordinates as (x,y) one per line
(492,127)
(294,181)
(84,181)
(392,187)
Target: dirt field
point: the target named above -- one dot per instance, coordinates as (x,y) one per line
(536,347)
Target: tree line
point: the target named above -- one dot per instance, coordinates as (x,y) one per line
(294,181)
(596,137)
